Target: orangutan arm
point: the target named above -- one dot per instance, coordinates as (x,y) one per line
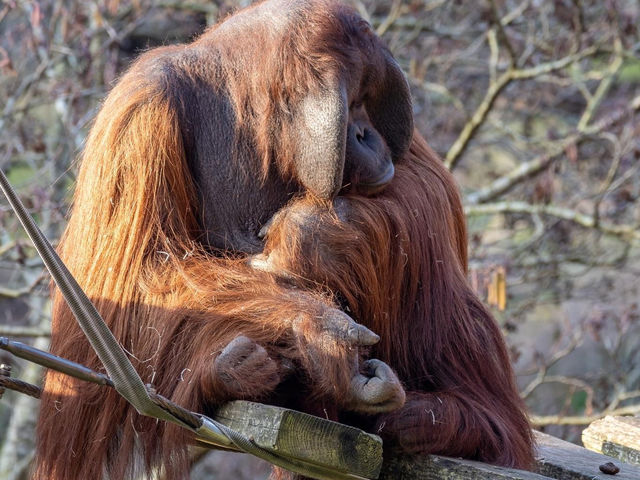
(449,424)
(326,348)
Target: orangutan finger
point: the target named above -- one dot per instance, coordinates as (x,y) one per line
(342,326)
(377,391)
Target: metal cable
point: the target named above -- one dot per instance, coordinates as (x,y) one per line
(124,376)
(186,416)
(20,386)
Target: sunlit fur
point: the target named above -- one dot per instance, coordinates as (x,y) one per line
(173,307)
(398,262)
(131,242)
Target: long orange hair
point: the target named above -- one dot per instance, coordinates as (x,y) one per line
(397,262)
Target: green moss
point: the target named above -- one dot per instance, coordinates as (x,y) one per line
(19,175)
(478,223)
(629,72)
(579,401)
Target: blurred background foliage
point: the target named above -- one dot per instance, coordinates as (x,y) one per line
(534,105)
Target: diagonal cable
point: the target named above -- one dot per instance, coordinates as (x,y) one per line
(124,376)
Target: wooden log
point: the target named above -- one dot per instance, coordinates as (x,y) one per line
(434,467)
(566,461)
(617,437)
(345,449)
(305,438)
(556,459)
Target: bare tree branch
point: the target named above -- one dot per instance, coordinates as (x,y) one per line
(542,420)
(19,292)
(502,34)
(495,88)
(588,221)
(532,167)
(603,88)
(24,332)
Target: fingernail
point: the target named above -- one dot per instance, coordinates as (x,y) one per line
(367,337)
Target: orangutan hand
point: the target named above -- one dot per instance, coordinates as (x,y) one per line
(378,390)
(335,325)
(245,369)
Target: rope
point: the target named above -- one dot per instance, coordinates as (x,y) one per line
(206,429)
(187,417)
(125,378)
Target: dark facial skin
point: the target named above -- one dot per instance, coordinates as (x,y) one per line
(368,165)
(338,134)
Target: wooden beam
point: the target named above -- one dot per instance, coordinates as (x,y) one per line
(345,449)
(566,461)
(617,437)
(305,438)
(433,467)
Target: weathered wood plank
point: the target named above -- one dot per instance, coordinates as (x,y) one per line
(556,459)
(305,437)
(433,467)
(346,449)
(565,461)
(617,437)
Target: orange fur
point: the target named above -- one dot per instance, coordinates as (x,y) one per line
(134,243)
(399,263)
(131,242)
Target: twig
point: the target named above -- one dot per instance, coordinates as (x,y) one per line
(502,34)
(494,55)
(394,14)
(411,23)
(19,292)
(578,23)
(198,7)
(23,332)
(548,67)
(23,89)
(541,373)
(603,88)
(588,221)
(542,420)
(478,117)
(444,92)
(9,245)
(532,167)
(522,172)
(515,13)
(494,89)
(611,174)
(621,397)
(575,382)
